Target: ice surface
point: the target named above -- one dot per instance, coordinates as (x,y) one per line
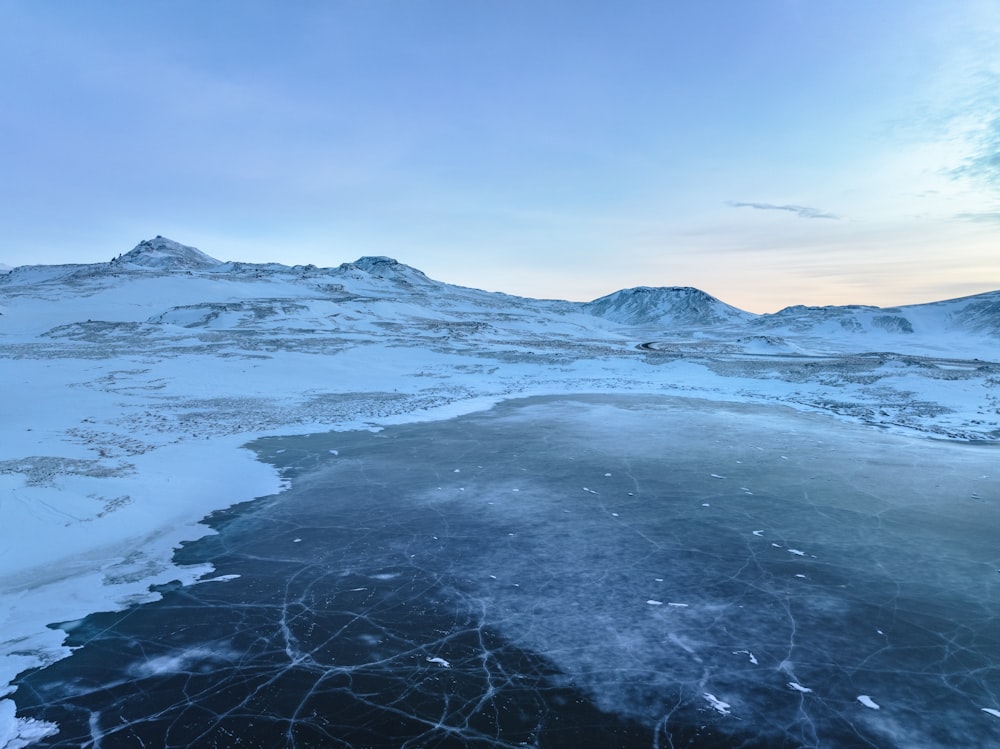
(493,618)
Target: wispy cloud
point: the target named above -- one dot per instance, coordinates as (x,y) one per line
(802,211)
(984,160)
(984,217)
(974,123)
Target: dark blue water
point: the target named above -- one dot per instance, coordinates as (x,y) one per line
(605,572)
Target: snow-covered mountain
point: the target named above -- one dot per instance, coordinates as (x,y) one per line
(668,307)
(389,269)
(161,253)
(382,281)
(980,312)
(953,324)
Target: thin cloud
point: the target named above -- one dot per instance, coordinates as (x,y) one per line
(984,161)
(976,121)
(802,211)
(985,217)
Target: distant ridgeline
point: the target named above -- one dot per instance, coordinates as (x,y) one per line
(678,308)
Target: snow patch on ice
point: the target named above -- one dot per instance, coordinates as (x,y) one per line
(220,579)
(752,657)
(16,733)
(716,704)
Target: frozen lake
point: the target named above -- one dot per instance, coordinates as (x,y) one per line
(571,572)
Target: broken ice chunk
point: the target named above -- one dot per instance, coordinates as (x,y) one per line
(799,688)
(717,704)
(753,658)
(439,661)
(867,701)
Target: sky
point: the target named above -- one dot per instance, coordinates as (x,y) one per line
(769,152)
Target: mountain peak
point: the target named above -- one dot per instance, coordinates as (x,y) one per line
(372,262)
(679,305)
(162,253)
(381,266)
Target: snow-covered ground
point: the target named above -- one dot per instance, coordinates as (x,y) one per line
(129,388)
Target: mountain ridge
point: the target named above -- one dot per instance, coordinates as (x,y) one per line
(662,309)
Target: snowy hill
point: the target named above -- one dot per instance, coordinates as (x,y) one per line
(675,306)
(386,268)
(980,312)
(161,253)
(955,324)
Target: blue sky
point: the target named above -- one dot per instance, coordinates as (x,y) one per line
(770,152)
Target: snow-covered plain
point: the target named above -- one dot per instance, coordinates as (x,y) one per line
(131,386)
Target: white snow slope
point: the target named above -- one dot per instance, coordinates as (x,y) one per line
(129,387)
